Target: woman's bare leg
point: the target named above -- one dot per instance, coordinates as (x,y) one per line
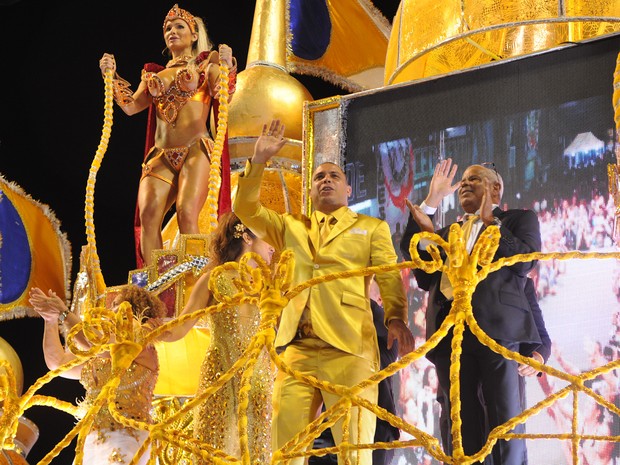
(193,190)
(155,197)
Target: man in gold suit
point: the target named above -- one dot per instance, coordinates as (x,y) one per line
(327,331)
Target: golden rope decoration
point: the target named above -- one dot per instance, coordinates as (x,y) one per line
(252,283)
(215,170)
(464,276)
(271,291)
(89,206)
(89,258)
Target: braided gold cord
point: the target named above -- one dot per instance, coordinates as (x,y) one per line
(14,406)
(271,291)
(90,256)
(9,420)
(346,435)
(298,445)
(215,170)
(575,426)
(89,206)
(464,276)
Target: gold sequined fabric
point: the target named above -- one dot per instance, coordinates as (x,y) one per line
(133,396)
(216,418)
(432,38)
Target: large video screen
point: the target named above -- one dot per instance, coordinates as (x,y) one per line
(546,122)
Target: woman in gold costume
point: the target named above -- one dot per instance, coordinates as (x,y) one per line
(215,420)
(107,441)
(177,156)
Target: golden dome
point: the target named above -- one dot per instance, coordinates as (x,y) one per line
(265,92)
(8,353)
(27,432)
(431,38)
(265,89)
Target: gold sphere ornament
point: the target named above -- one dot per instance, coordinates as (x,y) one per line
(8,353)
(268,92)
(27,432)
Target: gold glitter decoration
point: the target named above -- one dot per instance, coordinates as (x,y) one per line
(431,38)
(232,330)
(133,395)
(163,408)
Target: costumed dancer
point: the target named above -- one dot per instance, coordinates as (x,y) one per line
(181,98)
(215,419)
(107,441)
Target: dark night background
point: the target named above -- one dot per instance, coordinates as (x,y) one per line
(51,116)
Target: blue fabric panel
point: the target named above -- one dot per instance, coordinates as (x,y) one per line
(311,28)
(15,254)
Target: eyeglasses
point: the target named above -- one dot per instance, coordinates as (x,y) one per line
(491,165)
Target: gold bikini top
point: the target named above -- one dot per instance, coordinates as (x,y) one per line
(171,90)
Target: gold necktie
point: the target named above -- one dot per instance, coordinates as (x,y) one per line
(326,227)
(445,286)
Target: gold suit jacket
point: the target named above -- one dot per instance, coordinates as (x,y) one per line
(340,309)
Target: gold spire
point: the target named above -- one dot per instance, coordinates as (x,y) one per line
(265,89)
(269,32)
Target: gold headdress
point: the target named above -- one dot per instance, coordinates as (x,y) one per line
(179,13)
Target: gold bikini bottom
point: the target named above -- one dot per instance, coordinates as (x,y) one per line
(174,158)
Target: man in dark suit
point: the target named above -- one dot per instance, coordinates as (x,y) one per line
(539,352)
(499,303)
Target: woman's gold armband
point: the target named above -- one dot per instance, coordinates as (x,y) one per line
(123,95)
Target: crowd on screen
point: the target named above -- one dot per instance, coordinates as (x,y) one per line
(571,224)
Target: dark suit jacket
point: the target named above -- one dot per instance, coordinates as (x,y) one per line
(499,302)
(544,348)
